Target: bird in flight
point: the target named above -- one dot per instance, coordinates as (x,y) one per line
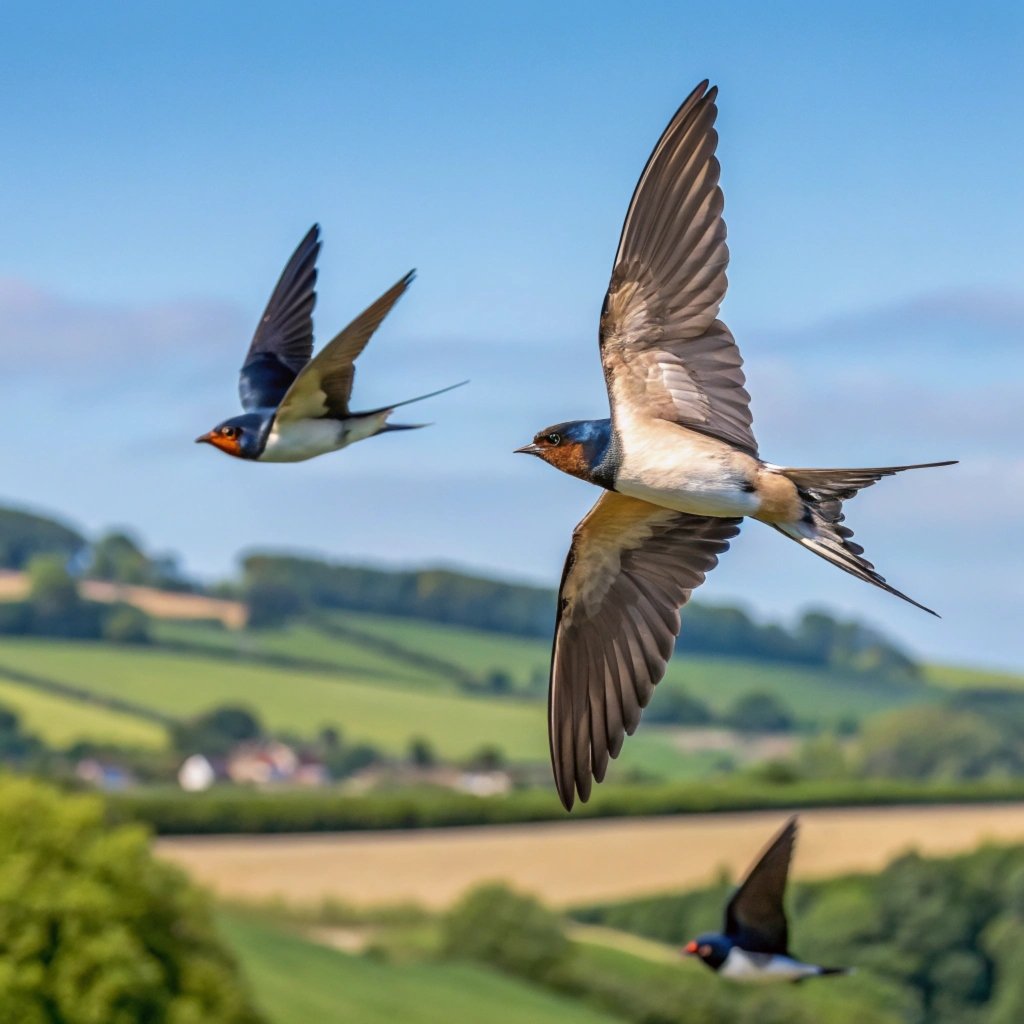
(754,944)
(677,460)
(297,405)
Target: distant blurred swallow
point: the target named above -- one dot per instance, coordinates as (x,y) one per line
(754,944)
(677,459)
(296,406)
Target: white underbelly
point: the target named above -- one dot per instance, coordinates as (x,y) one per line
(698,497)
(675,468)
(296,442)
(761,968)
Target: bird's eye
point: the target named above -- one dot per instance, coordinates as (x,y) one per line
(555,439)
(228,432)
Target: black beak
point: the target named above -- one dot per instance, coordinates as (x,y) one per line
(203,439)
(528,449)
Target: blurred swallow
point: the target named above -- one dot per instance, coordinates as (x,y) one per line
(296,405)
(677,459)
(754,944)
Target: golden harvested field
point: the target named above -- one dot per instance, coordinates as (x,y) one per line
(574,862)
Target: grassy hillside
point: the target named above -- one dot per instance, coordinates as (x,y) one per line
(820,695)
(296,982)
(957,677)
(386,713)
(60,722)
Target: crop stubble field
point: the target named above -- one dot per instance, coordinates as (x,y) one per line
(577,861)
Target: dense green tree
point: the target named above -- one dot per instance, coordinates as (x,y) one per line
(217,731)
(760,712)
(124,624)
(677,707)
(421,752)
(24,535)
(118,557)
(938,742)
(94,930)
(507,930)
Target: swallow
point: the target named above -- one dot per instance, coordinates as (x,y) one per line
(677,460)
(297,405)
(754,943)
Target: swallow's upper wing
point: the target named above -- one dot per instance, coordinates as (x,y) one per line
(755,918)
(663,351)
(324,387)
(283,342)
(630,568)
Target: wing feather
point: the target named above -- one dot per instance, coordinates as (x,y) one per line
(283,342)
(324,387)
(756,918)
(665,354)
(630,567)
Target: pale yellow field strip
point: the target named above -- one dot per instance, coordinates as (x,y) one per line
(577,861)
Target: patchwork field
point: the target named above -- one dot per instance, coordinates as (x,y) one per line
(576,861)
(384,710)
(297,982)
(61,722)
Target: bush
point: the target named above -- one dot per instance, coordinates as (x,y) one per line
(676,707)
(95,931)
(507,930)
(760,712)
(126,625)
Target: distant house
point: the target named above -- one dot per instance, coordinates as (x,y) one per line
(198,773)
(104,775)
(263,763)
(460,780)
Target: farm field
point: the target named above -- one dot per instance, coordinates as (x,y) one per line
(181,685)
(296,981)
(61,722)
(958,677)
(301,643)
(385,714)
(823,696)
(576,861)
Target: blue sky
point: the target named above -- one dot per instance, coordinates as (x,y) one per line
(161,162)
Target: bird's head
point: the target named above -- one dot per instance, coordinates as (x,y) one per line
(240,436)
(577,447)
(711,949)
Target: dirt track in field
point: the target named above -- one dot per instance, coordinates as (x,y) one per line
(574,862)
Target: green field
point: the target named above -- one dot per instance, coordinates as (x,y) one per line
(60,722)
(288,699)
(298,982)
(303,644)
(474,651)
(821,696)
(956,677)
(387,715)
(301,679)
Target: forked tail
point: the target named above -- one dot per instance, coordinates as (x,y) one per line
(821,529)
(386,410)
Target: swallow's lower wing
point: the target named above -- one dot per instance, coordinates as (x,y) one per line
(283,341)
(631,567)
(755,918)
(324,387)
(664,352)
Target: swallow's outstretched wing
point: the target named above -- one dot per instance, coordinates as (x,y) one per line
(664,353)
(755,918)
(283,342)
(324,387)
(630,568)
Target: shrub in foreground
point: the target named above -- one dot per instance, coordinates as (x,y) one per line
(94,930)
